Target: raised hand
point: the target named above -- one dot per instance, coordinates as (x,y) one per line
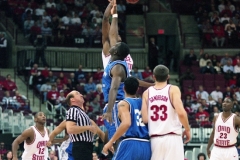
(114,8)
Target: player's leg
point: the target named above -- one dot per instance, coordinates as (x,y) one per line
(157,148)
(216,154)
(112,127)
(173,144)
(143,150)
(231,153)
(109,127)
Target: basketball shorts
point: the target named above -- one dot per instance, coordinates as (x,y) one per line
(222,153)
(167,147)
(133,149)
(112,127)
(69,151)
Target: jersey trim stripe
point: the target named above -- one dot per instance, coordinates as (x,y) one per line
(170,96)
(129,106)
(40,132)
(226,118)
(115,116)
(225,146)
(148,97)
(157,135)
(159,88)
(136,139)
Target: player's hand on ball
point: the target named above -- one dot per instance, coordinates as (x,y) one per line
(187,135)
(108,116)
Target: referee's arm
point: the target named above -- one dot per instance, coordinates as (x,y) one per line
(71,123)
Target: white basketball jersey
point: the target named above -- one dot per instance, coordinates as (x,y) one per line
(37,150)
(63,147)
(128,59)
(162,117)
(225,132)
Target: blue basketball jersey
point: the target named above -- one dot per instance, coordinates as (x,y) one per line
(137,129)
(107,80)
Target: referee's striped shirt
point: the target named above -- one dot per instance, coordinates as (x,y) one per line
(76,114)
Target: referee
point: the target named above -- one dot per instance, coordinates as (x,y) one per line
(80,127)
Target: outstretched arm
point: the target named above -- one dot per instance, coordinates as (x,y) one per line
(113,32)
(124,115)
(105,29)
(178,105)
(210,141)
(117,72)
(71,123)
(24,136)
(100,133)
(61,127)
(145,84)
(175,96)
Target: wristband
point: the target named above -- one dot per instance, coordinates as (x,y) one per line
(115,16)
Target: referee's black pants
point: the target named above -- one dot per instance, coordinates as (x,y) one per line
(82,150)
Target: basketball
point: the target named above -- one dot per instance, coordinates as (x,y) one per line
(132,1)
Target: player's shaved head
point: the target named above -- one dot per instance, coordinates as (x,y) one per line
(37,114)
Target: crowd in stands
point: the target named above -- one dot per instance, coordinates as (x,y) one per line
(206,80)
(219,22)
(54,86)
(61,21)
(10,98)
(5,153)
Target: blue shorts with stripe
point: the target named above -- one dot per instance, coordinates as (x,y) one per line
(112,127)
(133,149)
(69,151)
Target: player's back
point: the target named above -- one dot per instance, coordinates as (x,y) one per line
(36,149)
(137,129)
(162,117)
(107,80)
(225,132)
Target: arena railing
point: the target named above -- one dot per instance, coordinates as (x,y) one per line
(200,135)
(71,58)
(8,24)
(180,26)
